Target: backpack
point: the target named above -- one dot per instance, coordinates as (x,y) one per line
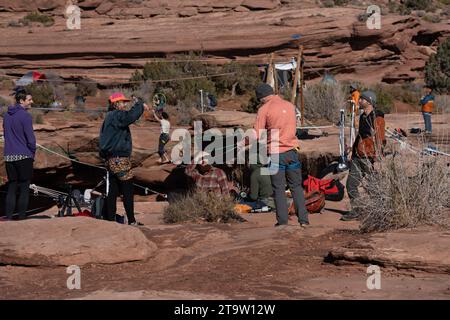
(314,202)
(333,189)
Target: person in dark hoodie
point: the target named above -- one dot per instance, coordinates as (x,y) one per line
(115,147)
(19,151)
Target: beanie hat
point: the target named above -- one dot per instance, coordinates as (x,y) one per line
(369,96)
(263,90)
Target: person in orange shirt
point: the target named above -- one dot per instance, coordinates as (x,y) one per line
(277,116)
(355,95)
(427,104)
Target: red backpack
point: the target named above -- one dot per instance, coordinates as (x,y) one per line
(333,189)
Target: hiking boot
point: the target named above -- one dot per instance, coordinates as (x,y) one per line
(304,225)
(349,217)
(136,224)
(280,225)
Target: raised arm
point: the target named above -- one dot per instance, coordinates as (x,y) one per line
(156,116)
(128,117)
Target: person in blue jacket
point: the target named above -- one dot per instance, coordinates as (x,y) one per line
(115,147)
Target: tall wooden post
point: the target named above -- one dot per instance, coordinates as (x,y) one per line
(270,75)
(302,100)
(297,71)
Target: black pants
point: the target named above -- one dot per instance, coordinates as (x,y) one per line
(19,177)
(163,139)
(117,187)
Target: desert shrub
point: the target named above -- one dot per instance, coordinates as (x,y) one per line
(409,93)
(419,4)
(201,207)
(404,191)
(323,101)
(37,116)
(246,77)
(86,87)
(437,68)
(442,103)
(341,2)
(38,17)
(385,98)
(327,3)
(432,18)
(5,102)
(144,90)
(43,95)
(252,105)
(185,67)
(6,84)
(183,113)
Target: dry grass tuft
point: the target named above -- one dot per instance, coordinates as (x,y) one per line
(201,207)
(405,191)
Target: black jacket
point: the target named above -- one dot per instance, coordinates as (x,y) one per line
(115,135)
(367,127)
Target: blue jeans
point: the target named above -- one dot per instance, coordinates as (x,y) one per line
(427,120)
(288,168)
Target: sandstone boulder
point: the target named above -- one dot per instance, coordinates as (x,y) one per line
(71,241)
(422,248)
(227,118)
(261,4)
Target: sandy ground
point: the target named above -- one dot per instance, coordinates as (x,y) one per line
(250,260)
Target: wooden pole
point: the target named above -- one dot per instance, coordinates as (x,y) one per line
(275,75)
(302,100)
(297,71)
(270,75)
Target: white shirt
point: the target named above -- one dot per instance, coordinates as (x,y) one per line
(165,126)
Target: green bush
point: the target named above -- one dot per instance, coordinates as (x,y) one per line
(42,93)
(185,67)
(328,3)
(341,2)
(419,4)
(245,79)
(252,105)
(385,100)
(38,17)
(437,68)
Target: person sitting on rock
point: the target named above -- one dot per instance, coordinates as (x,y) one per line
(206,177)
(261,192)
(115,146)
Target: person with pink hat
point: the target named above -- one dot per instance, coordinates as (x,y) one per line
(115,145)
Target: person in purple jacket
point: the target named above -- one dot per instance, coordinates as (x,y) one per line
(19,151)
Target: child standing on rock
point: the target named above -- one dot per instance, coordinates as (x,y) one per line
(163,137)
